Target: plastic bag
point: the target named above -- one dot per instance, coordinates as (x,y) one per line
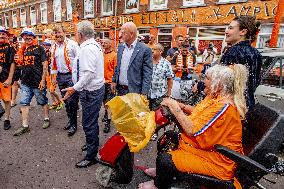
(133,119)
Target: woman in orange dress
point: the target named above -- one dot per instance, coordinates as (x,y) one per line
(216,120)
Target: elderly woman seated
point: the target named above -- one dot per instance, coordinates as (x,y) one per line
(215,120)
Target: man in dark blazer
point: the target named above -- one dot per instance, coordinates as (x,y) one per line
(133,73)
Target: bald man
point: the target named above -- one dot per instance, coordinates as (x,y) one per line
(133,73)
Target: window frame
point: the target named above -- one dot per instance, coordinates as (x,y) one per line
(14,16)
(23,15)
(158,7)
(92,13)
(71,10)
(6,19)
(229,1)
(187,4)
(107,13)
(42,14)
(32,13)
(133,10)
(57,18)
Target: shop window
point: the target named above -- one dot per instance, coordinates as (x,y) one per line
(14,19)
(144,32)
(23,17)
(158,4)
(188,3)
(68,10)
(43,13)
(206,35)
(165,39)
(6,17)
(131,6)
(107,7)
(57,10)
(89,8)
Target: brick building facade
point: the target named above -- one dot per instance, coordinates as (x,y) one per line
(203,20)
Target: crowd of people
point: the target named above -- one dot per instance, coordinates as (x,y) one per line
(90,71)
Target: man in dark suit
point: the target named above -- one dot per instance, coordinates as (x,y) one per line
(133,73)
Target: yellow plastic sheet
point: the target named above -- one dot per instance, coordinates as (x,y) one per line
(133,119)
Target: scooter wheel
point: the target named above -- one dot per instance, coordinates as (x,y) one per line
(124,167)
(103,175)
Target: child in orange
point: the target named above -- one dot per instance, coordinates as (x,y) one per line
(57,103)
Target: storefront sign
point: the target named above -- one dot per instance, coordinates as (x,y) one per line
(209,15)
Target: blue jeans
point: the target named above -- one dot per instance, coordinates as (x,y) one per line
(91,102)
(27,94)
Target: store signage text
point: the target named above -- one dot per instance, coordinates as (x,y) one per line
(221,14)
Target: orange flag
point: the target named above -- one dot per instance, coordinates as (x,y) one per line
(276,26)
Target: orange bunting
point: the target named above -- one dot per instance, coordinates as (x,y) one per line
(276,26)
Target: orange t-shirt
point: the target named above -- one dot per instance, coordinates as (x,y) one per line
(214,122)
(109,65)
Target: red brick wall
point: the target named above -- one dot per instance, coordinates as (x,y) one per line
(97,6)
(50,15)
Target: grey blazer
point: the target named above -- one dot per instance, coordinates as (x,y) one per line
(139,74)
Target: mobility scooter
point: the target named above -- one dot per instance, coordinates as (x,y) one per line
(263,135)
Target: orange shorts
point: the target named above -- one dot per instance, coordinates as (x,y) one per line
(5,92)
(50,86)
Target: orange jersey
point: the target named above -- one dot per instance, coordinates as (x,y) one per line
(214,122)
(109,65)
(180,64)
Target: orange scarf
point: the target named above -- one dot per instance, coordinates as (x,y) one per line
(66,57)
(22,50)
(180,63)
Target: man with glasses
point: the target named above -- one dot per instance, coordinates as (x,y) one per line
(63,64)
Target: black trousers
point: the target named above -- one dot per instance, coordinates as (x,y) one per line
(71,104)
(165,170)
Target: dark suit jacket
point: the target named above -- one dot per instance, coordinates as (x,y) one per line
(140,69)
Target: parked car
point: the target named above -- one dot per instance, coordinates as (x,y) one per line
(271,90)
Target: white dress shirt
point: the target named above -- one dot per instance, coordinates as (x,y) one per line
(125,61)
(91,66)
(72,50)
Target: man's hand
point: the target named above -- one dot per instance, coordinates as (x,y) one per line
(113,87)
(41,84)
(69,92)
(7,83)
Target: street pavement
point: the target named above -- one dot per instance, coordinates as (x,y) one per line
(46,158)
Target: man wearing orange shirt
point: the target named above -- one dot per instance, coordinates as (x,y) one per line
(109,66)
